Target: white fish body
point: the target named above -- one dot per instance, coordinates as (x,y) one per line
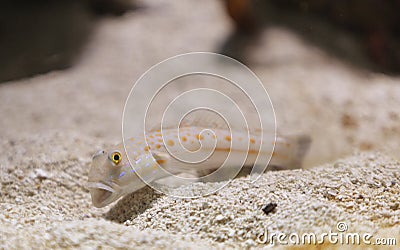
(112,176)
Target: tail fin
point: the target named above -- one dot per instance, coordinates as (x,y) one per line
(303,145)
(289,152)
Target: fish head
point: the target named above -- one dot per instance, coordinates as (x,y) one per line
(112,175)
(103,181)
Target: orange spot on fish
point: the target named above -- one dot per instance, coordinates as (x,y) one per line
(228,138)
(170,143)
(252,141)
(199,137)
(160,161)
(160,140)
(184,138)
(158,146)
(233,150)
(275,154)
(147,148)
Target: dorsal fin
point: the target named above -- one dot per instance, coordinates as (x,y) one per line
(205,119)
(211,120)
(201,118)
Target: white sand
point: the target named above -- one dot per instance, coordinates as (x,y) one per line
(44,203)
(53,123)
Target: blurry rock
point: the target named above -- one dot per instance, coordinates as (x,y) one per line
(44,35)
(372,26)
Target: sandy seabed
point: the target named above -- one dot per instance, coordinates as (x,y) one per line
(53,123)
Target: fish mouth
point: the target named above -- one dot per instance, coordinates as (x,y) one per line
(102,194)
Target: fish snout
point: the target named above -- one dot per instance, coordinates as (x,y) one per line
(101,194)
(100,197)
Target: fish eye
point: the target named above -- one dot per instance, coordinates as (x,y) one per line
(116,157)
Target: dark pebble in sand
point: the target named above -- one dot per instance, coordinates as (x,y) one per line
(270,207)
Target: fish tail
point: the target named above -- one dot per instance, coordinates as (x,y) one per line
(303,143)
(289,152)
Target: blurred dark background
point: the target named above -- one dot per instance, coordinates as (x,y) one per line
(44,35)
(363,32)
